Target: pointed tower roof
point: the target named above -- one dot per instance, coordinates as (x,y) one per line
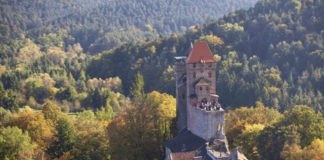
(200,53)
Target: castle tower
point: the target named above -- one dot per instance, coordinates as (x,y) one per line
(200,118)
(198,109)
(205,118)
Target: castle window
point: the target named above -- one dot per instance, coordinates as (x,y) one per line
(194,75)
(209,74)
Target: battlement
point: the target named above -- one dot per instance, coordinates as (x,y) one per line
(206,105)
(207,110)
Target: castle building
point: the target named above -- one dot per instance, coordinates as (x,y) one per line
(200,117)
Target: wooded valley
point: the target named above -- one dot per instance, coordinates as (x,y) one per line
(86,80)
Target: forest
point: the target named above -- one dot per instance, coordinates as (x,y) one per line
(75,86)
(100,24)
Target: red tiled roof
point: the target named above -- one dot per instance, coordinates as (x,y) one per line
(200,53)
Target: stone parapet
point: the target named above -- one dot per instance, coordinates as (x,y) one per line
(206,124)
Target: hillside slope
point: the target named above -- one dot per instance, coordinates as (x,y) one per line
(103,24)
(273,52)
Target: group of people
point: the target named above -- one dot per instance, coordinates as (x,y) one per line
(209,106)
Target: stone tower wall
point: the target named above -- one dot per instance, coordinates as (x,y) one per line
(206,124)
(203,123)
(181,97)
(196,71)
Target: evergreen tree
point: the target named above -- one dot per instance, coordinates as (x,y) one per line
(65,139)
(8,99)
(96,99)
(137,89)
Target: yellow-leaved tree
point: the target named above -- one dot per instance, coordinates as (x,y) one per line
(243,126)
(140,130)
(39,130)
(315,151)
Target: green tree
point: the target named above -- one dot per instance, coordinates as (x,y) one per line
(39,130)
(239,119)
(15,144)
(137,89)
(65,138)
(300,126)
(92,140)
(4,116)
(8,99)
(86,116)
(68,93)
(51,111)
(106,113)
(248,139)
(310,124)
(96,99)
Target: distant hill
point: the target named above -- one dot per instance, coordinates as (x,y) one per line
(103,24)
